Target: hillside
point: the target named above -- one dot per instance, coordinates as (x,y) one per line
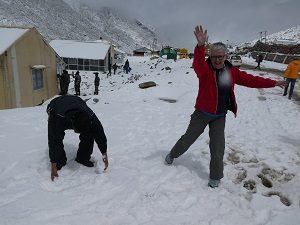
(288,34)
(291,33)
(58,19)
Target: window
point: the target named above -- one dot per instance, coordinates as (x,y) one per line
(236,57)
(66,60)
(86,62)
(37,79)
(72,61)
(73,67)
(94,62)
(80,61)
(94,68)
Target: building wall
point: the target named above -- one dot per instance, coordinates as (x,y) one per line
(6,85)
(26,52)
(2,83)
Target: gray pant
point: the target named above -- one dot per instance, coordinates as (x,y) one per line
(198,122)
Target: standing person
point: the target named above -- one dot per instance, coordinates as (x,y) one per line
(96,83)
(64,81)
(71,112)
(77,82)
(109,70)
(291,74)
(217,78)
(259,59)
(115,67)
(126,67)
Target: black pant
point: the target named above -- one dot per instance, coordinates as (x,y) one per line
(197,125)
(87,139)
(96,90)
(292,82)
(86,146)
(258,65)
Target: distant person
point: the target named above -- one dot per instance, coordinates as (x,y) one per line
(109,70)
(115,67)
(71,112)
(77,82)
(64,81)
(291,74)
(126,67)
(259,59)
(216,96)
(96,83)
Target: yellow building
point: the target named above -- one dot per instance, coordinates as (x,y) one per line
(183,53)
(27,68)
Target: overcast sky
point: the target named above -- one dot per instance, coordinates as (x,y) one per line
(233,20)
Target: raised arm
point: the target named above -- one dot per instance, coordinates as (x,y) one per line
(199,63)
(200,35)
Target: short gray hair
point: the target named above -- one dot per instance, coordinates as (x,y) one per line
(218,45)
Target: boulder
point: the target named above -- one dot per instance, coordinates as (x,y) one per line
(147,84)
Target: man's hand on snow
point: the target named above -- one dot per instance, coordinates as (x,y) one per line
(105,160)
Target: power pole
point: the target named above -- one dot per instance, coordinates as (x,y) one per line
(265,32)
(263,36)
(154,44)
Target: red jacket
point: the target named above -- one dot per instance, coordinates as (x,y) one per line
(207,94)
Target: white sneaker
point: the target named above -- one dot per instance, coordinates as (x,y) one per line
(169,160)
(213,183)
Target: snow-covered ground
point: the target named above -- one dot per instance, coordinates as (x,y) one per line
(264,64)
(262,160)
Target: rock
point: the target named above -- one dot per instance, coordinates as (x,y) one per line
(147,84)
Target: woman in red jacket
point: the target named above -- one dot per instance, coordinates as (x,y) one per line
(217,78)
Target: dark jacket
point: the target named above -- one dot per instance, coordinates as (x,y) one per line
(126,65)
(207,100)
(97,81)
(60,111)
(77,79)
(65,77)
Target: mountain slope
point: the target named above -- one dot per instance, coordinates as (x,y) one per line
(58,19)
(121,30)
(292,33)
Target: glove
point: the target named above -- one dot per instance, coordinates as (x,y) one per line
(105,160)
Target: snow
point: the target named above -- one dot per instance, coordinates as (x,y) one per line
(80,49)
(9,36)
(138,188)
(264,64)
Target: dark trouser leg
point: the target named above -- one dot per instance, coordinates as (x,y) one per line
(61,88)
(86,146)
(64,89)
(96,90)
(217,146)
(196,127)
(286,87)
(293,81)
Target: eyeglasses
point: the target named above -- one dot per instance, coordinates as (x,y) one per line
(218,57)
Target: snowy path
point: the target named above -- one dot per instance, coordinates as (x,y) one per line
(137,187)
